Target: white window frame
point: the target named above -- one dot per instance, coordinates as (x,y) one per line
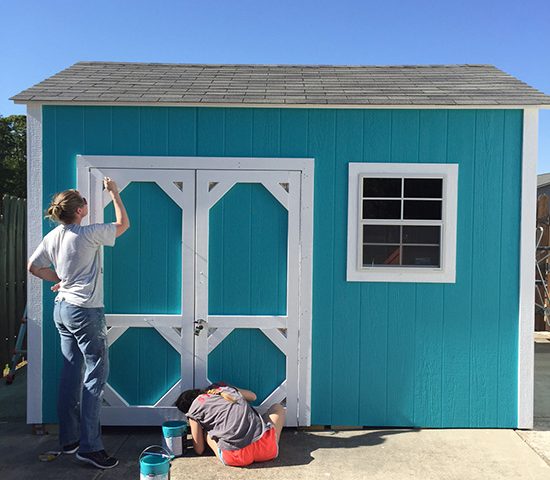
(446,272)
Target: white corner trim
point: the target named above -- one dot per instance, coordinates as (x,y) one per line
(526,354)
(447,272)
(34,285)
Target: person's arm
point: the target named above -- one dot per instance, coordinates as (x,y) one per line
(198,436)
(248,395)
(122,221)
(44,273)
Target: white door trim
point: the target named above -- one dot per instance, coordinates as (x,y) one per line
(526,354)
(304,167)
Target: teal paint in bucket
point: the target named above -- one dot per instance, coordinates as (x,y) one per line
(174,437)
(154,463)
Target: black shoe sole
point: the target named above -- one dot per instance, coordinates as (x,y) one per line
(97,465)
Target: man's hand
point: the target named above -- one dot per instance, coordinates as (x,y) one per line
(55,288)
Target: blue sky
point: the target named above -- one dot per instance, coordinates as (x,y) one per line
(40,37)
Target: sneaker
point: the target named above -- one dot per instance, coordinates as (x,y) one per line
(98,459)
(71,448)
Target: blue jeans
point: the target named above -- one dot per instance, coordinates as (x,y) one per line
(85,370)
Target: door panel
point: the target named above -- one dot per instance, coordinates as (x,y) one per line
(247,358)
(247,255)
(149,292)
(247,297)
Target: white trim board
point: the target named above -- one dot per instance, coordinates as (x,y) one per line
(301,169)
(444,274)
(283,105)
(34,285)
(526,355)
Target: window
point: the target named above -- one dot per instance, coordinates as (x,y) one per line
(402,222)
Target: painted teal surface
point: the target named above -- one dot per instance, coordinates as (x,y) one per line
(248,237)
(143,275)
(431,355)
(247,357)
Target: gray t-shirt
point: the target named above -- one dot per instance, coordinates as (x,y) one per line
(233,425)
(75,253)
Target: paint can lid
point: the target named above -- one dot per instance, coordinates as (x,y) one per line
(175,428)
(154,465)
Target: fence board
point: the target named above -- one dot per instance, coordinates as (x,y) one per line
(12,272)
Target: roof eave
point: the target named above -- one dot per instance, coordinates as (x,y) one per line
(487,106)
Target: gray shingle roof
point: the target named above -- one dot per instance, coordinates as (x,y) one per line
(109,82)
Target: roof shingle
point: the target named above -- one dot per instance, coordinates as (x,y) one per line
(93,82)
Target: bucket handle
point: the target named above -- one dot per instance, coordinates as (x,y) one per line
(166,454)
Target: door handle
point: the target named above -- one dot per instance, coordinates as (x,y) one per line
(199,325)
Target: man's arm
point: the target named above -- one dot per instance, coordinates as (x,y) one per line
(248,395)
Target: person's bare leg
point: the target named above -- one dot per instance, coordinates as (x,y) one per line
(213,445)
(277,415)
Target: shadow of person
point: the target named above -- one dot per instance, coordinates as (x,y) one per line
(296,446)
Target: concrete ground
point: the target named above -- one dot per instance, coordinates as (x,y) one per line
(352,454)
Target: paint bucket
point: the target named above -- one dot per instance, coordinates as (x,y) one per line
(154,463)
(174,437)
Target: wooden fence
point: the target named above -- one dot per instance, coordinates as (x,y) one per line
(13,272)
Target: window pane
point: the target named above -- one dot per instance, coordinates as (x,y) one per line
(388,209)
(421,235)
(423,187)
(382,187)
(421,256)
(381,234)
(422,210)
(380,255)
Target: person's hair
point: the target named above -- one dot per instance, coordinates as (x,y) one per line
(64,205)
(185,400)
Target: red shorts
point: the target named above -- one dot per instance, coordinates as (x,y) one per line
(262,450)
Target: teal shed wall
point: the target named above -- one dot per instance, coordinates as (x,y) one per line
(392,354)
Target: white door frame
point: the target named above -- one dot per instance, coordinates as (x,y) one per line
(92,168)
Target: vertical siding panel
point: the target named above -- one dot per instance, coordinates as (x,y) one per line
(210,131)
(486,261)
(126,130)
(321,146)
(97,130)
(238,132)
(237,231)
(458,296)
(153,130)
(59,173)
(429,297)
(182,131)
(402,297)
(266,132)
(509,275)
(405,136)
(294,133)
(374,296)
(345,344)
(401,347)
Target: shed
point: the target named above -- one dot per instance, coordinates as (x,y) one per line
(356,242)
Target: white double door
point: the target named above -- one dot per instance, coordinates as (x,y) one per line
(196,331)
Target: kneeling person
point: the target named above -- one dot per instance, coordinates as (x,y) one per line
(222,417)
